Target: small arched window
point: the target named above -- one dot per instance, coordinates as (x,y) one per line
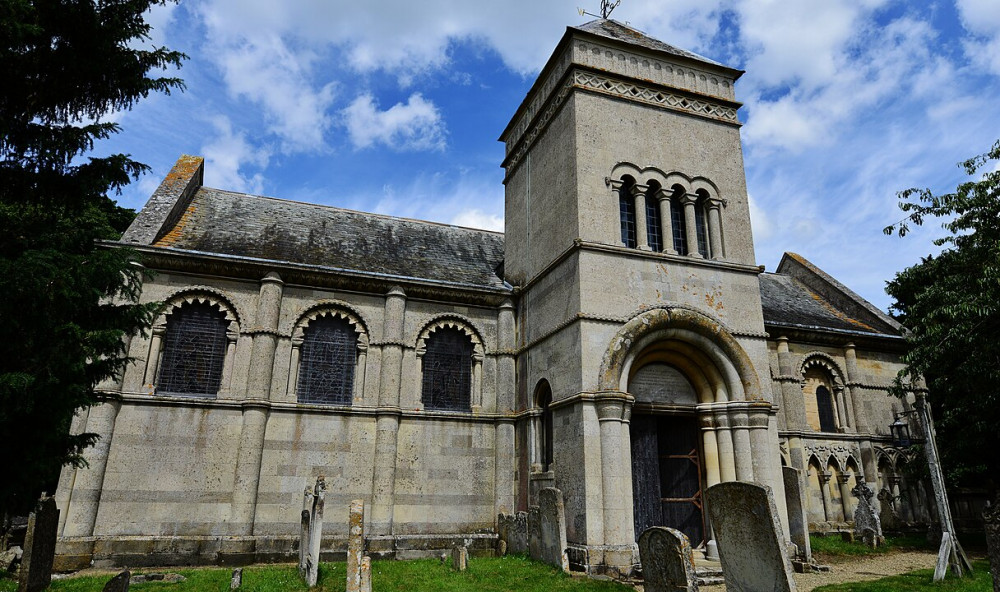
(677,224)
(447,371)
(824,404)
(326,366)
(626,210)
(194,350)
(701,223)
(544,402)
(654,232)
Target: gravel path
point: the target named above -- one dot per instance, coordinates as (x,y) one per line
(857,570)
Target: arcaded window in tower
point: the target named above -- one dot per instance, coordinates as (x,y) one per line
(654,232)
(824,406)
(626,209)
(326,366)
(447,371)
(677,220)
(701,223)
(817,393)
(545,440)
(194,351)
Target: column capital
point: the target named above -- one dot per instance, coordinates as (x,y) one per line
(715,203)
(689,199)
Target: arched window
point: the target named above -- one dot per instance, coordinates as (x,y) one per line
(824,405)
(626,209)
(447,368)
(677,220)
(326,366)
(701,223)
(544,402)
(654,232)
(194,350)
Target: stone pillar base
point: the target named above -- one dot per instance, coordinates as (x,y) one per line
(617,561)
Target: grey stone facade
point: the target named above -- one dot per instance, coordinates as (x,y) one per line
(574,339)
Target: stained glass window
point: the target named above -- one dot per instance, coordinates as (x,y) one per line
(677,222)
(654,233)
(447,363)
(326,364)
(194,351)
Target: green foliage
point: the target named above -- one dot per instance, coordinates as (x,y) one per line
(921,580)
(426,575)
(951,305)
(833,546)
(66,304)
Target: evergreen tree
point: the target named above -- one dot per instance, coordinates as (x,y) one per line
(951,305)
(66,302)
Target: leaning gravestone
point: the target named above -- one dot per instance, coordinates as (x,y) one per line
(667,561)
(459,558)
(311,534)
(366,574)
(513,530)
(751,546)
(552,528)
(798,526)
(887,514)
(865,517)
(355,545)
(237,579)
(991,520)
(119,583)
(39,547)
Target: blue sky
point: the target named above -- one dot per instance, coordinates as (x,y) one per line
(395,107)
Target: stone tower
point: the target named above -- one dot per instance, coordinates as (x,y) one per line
(640,327)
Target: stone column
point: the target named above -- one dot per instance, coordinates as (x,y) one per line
(724,439)
(153,360)
(503,480)
(845,495)
(764,444)
(714,207)
(842,409)
(691,225)
(293,364)
(854,388)
(361,368)
(639,199)
(666,222)
(741,441)
(824,487)
(477,379)
(713,474)
(85,498)
(616,481)
(255,407)
(387,422)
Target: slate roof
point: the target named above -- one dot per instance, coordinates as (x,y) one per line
(612,29)
(237,224)
(786,301)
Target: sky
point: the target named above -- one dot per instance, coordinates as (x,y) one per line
(395,107)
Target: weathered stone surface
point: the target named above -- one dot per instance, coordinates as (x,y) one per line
(667,561)
(355,545)
(311,533)
(533,522)
(798,526)
(887,513)
(991,521)
(751,546)
(119,583)
(170,578)
(366,574)
(513,530)
(865,517)
(552,528)
(459,558)
(237,579)
(9,558)
(39,547)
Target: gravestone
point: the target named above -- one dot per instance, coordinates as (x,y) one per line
(366,574)
(311,533)
(552,528)
(355,545)
(9,558)
(534,532)
(237,580)
(119,583)
(459,558)
(887,513)
(991,520)
(865,517)
(798,525)
(667,561)
(513,530)
(39,547)
(751,545)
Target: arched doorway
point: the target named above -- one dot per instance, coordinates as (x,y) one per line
(667,476)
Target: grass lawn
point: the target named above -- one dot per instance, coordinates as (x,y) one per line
(833,547)
(488,574)
(920,581)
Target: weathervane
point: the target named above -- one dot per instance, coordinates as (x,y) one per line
(607,6)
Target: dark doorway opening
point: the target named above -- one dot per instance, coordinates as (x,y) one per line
(666,475)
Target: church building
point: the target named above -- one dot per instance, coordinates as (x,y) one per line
(618,342)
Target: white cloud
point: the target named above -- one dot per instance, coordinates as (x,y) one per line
(476,218)
(415,125)
(229,155)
